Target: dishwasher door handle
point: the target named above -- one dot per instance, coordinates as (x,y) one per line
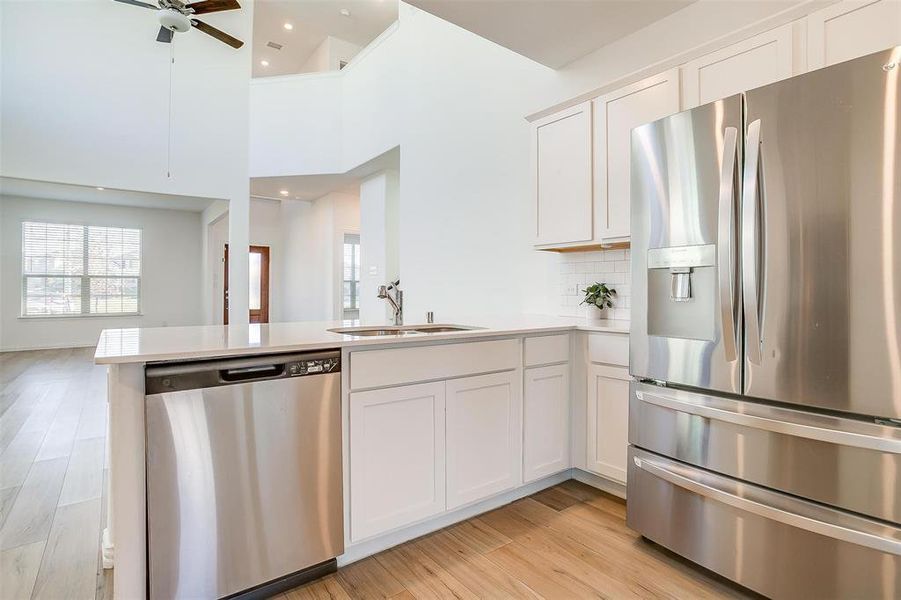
(257,372)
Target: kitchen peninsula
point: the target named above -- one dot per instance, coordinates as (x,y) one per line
(549,395)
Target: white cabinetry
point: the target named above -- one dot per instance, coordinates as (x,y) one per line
(484,436)
(751,63)
(546,409)
(608,421)
(561,169)
(851,29)
(615,114)
(397,449)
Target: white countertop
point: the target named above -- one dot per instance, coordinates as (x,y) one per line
(139,345)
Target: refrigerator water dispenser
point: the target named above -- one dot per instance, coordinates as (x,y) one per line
(681,291)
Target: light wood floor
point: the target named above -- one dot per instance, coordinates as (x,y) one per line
(52,470)
(569,541)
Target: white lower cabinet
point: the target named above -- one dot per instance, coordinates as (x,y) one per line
(397,450)
(484,443)
(545,421)
(608,421)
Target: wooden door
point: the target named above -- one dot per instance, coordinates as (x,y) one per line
(259,285)
(484,436)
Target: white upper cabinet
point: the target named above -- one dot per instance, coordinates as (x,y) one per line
(397,463)
(751,63)
(484,436)
(561,170)
(851,29)
(615,114)
(545,421)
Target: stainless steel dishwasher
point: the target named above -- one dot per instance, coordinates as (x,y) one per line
(244,474)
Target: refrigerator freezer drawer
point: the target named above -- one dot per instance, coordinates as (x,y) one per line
(845,463)
(775,544)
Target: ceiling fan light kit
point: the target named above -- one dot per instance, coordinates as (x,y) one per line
(177,17)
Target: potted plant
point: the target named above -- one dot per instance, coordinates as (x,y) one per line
(599,295)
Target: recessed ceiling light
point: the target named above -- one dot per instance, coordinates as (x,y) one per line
(345,12)
(100,188)
(284,192)
(289,26)
(264,63)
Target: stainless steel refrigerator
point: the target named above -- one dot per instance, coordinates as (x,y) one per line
(765,415)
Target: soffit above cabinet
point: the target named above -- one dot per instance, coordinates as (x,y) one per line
(552,33)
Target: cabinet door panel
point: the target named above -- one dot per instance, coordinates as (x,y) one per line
(608,421)
(545,421)
(484,436)
(615,116)
(562,176)
(397,457)
(852,29)
(751,63)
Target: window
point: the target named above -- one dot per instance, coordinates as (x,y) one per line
(80,270)
(351,276)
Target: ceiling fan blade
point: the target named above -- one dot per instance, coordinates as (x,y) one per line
(139,3)
(165,35)
(219,35)
(208,6)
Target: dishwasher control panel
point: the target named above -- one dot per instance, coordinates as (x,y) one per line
(313,366)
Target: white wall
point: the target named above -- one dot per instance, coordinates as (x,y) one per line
(329,54)
(455,104)
(379,237)
(170,278)
(311,255)
(86,100)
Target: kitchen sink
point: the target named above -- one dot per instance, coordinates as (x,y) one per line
(405,330)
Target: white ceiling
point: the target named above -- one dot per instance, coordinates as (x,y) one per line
(313,21)
(552,32)
(310,187)
(27,188)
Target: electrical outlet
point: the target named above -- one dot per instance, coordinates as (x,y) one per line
(572,289)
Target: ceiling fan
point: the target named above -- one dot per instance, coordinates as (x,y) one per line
(176,16)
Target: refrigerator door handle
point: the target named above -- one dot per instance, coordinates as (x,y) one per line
(726,241)
(746,498)
(750,241)
(774,420)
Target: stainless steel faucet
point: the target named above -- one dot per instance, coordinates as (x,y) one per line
(397,302)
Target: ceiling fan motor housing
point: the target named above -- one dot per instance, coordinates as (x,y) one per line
(174,20)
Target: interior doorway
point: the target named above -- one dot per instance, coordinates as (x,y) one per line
(258,278)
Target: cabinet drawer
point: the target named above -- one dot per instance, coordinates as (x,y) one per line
(546,349)
(381,368)
(609,348)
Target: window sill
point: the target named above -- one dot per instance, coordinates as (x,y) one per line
(91,316)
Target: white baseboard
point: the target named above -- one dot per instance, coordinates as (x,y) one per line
(355,552)
(601,483)
(372,546)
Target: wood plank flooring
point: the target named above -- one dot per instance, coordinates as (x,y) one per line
(569,541)
(52,467)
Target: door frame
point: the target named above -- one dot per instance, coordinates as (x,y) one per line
(262,315)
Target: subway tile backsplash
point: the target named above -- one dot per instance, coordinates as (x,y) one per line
(577,270)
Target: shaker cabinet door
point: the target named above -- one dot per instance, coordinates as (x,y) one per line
(561,166)
(484,436)
(396,457)
(616,114)
(545,421)
(608,421)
